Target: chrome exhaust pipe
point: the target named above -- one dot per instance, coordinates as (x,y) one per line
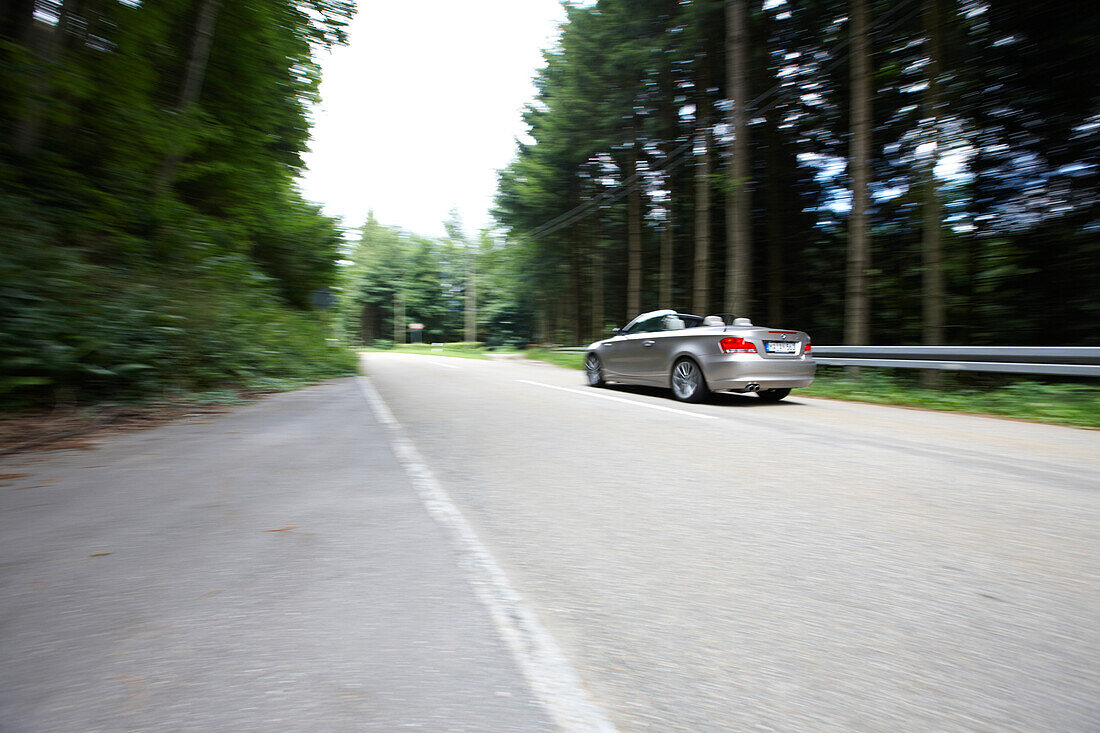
(752,387)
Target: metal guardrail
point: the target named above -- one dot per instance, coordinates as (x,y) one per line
(1077,361)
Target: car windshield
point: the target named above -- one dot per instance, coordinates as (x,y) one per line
(662,321)
(646,325)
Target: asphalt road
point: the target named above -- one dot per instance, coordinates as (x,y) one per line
(269,569)
(809,565)
(464,545)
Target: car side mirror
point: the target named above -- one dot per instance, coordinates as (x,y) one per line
(616,329)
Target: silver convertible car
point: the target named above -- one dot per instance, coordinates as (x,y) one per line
(695,355)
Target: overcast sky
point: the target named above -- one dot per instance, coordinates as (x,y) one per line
(422,108)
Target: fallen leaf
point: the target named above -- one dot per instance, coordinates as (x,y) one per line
(282,529)
(12,476)
(101,553)
(208,593)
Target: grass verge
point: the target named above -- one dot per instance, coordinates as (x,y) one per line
(1062,403)
(568,359)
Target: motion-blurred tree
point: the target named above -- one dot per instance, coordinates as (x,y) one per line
(974,169)
(149,157)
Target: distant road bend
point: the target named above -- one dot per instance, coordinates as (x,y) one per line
(808,565)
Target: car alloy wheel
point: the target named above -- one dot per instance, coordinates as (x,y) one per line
(688,384)
(593,370)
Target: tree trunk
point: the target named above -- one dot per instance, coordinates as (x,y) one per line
(558,317)
(544,319)
(859,251)
(700,299)
(398,319)
(666,261)
(45,47)
(776,228)
(576,290)
(634,239)
(471,294)
(366,323)
(669,110)
(969,308)
(597,288)
(738,201)
(17,20)
(191,87)
(932,254)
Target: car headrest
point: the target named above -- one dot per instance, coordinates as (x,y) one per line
(713,321)
(672,323)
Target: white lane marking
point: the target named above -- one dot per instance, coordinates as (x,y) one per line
(588,393)
(542,662)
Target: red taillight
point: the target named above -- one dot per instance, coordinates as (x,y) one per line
(736,345)
(806,349)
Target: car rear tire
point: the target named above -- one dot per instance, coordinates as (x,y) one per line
(593,370)
(687,381)
(772,395)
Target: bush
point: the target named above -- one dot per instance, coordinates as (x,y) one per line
(72,330)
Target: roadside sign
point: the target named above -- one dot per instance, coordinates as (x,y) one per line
(416,326)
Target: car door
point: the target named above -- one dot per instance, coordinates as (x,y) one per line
(654,362)
(609,352)
(632,349)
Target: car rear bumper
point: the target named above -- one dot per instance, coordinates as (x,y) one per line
(739,372)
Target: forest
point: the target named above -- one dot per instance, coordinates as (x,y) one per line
(153,234)
(873,172)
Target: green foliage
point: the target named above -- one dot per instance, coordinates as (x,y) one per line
(153,235)
(74,330)
(1016,119)
(429,276)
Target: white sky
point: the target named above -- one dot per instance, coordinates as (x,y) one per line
(422,108)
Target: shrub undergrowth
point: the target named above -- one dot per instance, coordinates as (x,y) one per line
(75,330)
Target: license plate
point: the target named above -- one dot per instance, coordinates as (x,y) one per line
(781,347)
